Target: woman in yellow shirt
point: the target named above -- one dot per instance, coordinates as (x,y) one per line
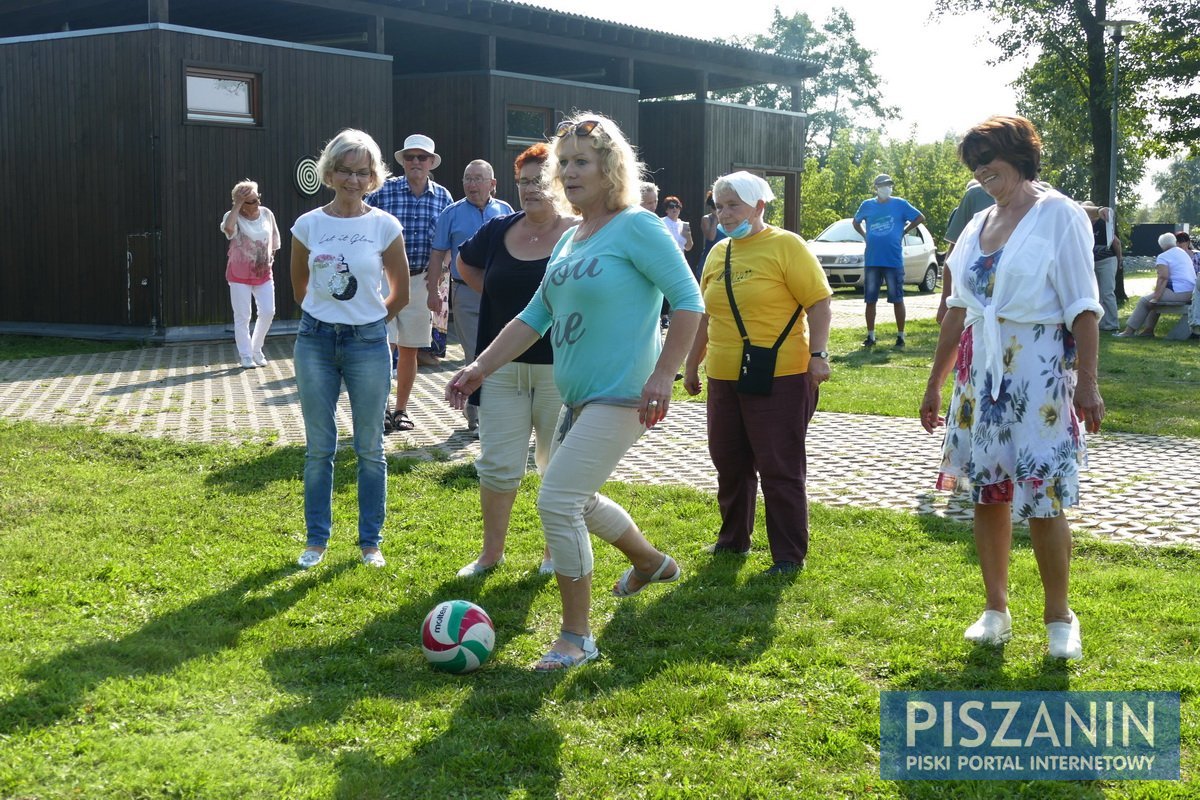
(782,298)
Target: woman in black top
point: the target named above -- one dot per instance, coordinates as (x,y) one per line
(505,261)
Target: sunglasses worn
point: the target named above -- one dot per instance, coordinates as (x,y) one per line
(422,157)
(584,128)
(980,159)
(674,205)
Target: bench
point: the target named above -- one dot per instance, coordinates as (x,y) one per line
(1183,328)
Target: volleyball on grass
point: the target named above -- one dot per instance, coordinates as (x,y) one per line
(457,636)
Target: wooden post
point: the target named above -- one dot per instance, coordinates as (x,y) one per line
(487,53)
(158,11)
(375,40)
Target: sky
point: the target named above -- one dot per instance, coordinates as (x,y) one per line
(934,68)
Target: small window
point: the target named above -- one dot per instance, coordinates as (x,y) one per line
(221,96)
(525,125)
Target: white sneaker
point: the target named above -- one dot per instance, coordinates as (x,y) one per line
(1065,639)
(992,627)
(547,567)
(474,569)
(310,558)
(248,363)
(259,359)
(374,559)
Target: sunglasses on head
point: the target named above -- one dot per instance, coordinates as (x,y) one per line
(584,128)
(422,157)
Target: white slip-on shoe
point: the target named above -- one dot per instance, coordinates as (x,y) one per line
(310,558)
(374,559)
(260,360)
(248,363)
(547,567)
(474,569)
(992,627)
(1065,639)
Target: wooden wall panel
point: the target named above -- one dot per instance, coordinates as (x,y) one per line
(307,97)
(104,163)
(77,174)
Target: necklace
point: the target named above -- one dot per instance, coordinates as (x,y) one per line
(600,222)
(538,231)
(363,208)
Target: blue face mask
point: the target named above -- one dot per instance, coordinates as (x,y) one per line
(740,232)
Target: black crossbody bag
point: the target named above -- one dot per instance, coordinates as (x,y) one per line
(757,371)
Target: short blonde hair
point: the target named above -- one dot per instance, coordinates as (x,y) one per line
(618,162)
(246,184)
(347,142)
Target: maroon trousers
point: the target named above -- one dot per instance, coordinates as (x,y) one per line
(753,438)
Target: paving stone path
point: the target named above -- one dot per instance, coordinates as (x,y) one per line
(1133,490)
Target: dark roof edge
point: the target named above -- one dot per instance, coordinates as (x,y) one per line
(162,26)
(500,13)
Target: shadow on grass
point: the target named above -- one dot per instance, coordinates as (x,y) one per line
(494,721)
(249,476)
(202,628)
(692,622)
(983,669)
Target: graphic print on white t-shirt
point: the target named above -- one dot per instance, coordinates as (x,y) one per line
(341,283)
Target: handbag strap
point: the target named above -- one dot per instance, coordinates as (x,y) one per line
(738,317)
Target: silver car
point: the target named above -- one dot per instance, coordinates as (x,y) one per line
(839,249)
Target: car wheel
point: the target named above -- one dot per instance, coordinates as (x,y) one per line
(930,281)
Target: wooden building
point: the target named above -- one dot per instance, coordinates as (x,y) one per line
(126,122)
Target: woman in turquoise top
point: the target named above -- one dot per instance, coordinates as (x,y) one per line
(600,299)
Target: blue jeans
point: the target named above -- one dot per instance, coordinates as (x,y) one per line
(328,354)
(874,276)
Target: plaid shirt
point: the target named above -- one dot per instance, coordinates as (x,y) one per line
(418,215)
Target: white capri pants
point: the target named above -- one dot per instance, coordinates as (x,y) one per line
(413,326)
(569,503)
(516,400)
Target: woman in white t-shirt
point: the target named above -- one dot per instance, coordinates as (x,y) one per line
(253,240)
(680,231)
(1175,284)
(341,253)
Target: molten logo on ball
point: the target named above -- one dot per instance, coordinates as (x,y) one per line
(457,636)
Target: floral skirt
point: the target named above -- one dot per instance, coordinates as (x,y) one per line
(1025,447)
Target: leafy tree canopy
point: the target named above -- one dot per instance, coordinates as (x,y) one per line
(845,95)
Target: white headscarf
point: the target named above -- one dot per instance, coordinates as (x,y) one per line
(747,186)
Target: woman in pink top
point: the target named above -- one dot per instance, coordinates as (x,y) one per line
(253,239)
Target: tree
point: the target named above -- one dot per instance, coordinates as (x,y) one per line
(845,95)
(1178,187)
(1163,65)
(929,176)
(1069,86)
(1071,38)
(1052,106)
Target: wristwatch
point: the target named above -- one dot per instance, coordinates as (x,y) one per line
(820,354)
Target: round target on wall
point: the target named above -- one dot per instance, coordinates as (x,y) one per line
(308,181)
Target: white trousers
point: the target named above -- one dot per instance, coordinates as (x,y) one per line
(240,295)
(516,400)
(570,503)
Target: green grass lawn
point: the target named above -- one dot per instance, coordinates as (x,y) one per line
(1149,385)
(14,347)
(158,642)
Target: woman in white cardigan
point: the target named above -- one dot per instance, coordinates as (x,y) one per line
(1021,334)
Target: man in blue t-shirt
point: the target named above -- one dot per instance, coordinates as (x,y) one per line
(887,219)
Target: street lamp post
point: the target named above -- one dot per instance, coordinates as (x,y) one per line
(1117,26)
